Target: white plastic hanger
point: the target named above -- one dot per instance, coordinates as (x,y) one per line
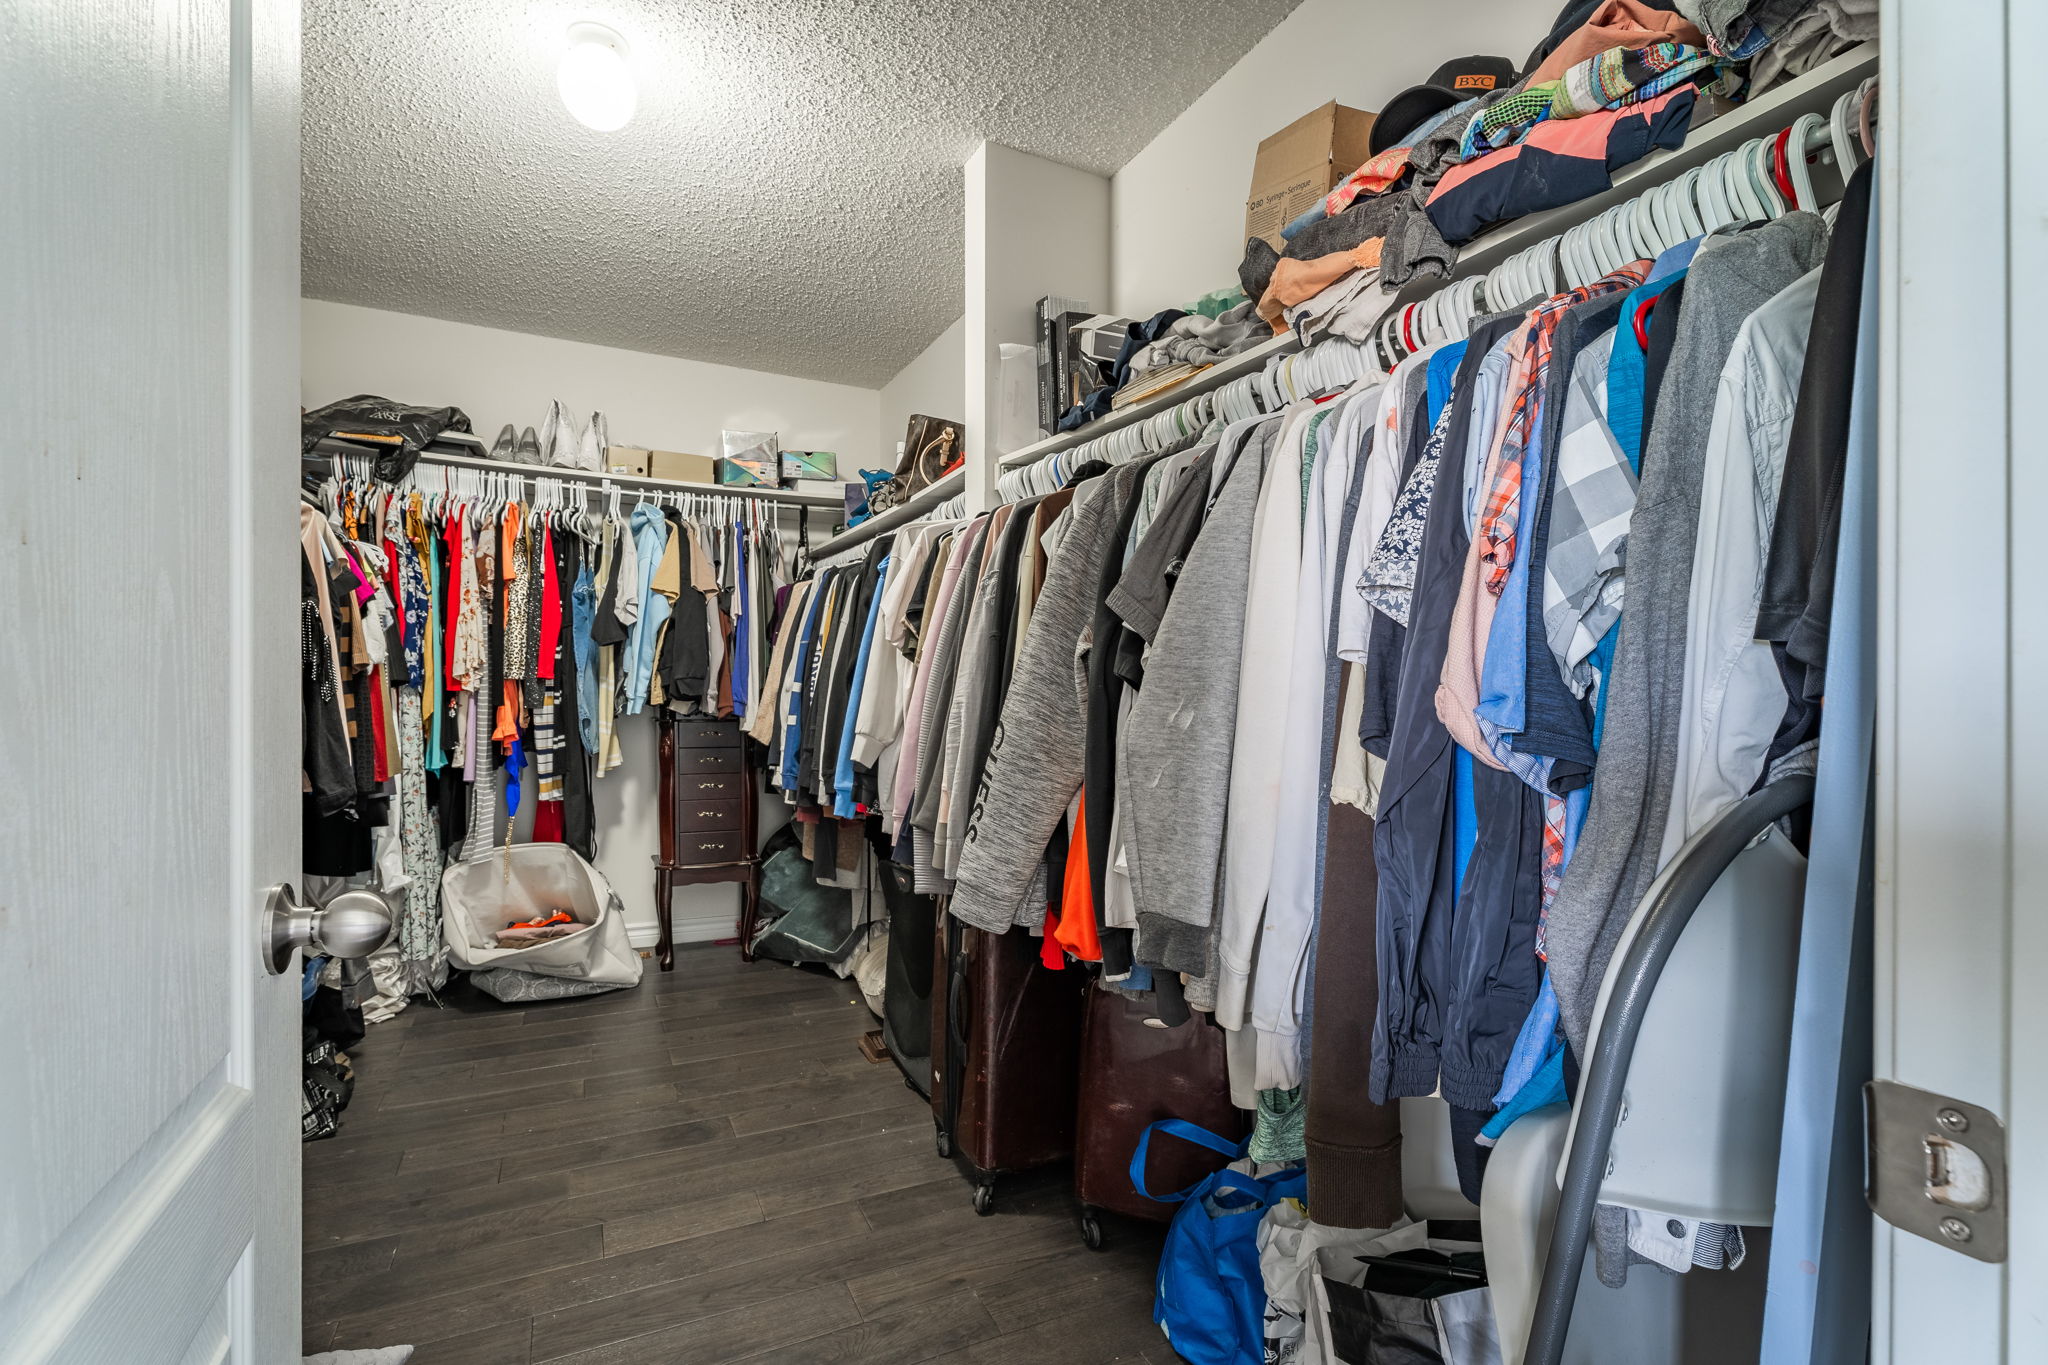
(1574,258)
(1685,199)
(1804,130)
(1612,252)
(1842,133)
(1710,196)
(1747,204)
(1764,181)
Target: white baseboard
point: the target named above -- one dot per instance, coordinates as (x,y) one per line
(689,928)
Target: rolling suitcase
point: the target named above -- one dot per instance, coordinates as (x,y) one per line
(907,995)
(1006,1042)
(1136,1071)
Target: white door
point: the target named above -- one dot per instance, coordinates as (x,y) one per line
(149,755)
(1962,751)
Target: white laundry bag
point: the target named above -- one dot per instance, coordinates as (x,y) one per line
(524,882)
(1300,1262)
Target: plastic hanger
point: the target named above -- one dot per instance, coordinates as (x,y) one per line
(1710,193)
(1842,136)
(1593,249)
(1742,196)
(1758,167)
(1796,152)
(1670,227)
(1619,250)
(1643,225)
(1519,285)
(1575,256)
(1568,252)
(1532,281)
(1684,201)
(1781,176)
(1620,243)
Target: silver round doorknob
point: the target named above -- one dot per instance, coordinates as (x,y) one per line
(352,925)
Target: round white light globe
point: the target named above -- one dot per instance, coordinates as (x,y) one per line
(594,79)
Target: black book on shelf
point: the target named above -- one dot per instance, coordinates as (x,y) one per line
(1053,363)
(1078,378)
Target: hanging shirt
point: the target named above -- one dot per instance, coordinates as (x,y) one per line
(742,626)
(650,537)
(1734,694)
(800,676)
(582,614)
(844,805)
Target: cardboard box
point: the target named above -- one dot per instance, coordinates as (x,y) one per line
(809,464)
(673,464)
(750,473)
(627,460)
(1300,164)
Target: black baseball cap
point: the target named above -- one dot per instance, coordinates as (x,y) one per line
(1452,83)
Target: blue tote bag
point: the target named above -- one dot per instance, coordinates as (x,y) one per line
(1210,1298)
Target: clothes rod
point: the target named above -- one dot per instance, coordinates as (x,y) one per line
(942,499)
(596,478)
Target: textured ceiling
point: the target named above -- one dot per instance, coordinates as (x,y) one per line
(788,196)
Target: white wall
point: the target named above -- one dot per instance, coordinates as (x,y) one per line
(934,384)
(1034,227)
(1177,208)
(498,377)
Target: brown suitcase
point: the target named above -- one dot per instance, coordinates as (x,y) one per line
(1135,1072)
(1006,1043)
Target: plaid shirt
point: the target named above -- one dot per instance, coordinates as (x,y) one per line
(1500,515)
(1593,496)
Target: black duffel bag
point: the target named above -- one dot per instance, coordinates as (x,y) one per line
(395,432)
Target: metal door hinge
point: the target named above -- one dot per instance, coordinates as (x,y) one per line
(1937,1168)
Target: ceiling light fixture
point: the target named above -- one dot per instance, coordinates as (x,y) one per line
(595,81)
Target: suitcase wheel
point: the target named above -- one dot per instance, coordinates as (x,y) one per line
(944,1142)
(1091,1228)
(985,1198)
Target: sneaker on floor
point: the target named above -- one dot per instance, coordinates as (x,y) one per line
(502,448)
(527,449)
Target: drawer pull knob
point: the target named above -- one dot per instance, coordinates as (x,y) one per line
(717,845)
(707,786)
(706,814)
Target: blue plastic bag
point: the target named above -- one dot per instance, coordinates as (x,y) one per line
(1210,1298)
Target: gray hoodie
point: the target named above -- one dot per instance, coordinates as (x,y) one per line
(1035,763)
(1175,777)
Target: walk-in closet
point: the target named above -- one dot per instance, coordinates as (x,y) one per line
(1318,682)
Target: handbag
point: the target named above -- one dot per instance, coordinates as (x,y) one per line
(931,446)
(1210,1297)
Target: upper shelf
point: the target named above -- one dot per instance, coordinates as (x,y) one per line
(598,476)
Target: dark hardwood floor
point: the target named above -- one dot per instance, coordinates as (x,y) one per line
(701,1169)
